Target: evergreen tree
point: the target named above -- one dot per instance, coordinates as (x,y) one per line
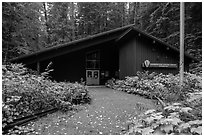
(21,29)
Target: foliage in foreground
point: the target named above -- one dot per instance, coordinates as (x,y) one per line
(175,118)
(24,93)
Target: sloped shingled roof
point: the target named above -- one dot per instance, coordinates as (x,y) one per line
(115,34)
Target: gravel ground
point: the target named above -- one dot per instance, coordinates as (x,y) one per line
(107,114)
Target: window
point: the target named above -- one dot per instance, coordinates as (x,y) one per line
(93,60)
(93,56)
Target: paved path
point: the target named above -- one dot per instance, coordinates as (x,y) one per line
(107,114)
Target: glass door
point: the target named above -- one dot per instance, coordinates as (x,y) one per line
(92,67)
(92,77)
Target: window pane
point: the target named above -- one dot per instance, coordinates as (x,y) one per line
(89,73)
(93,56)
(93,60)
(97,64)
(92,64)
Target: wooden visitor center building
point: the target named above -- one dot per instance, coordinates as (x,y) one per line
(113,54)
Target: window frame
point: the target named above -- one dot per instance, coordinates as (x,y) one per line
(94,61)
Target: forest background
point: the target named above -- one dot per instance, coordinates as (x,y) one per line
(28,27)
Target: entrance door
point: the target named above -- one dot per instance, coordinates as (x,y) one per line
(92,67)
(92,77)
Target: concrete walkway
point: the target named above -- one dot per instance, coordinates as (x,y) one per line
(107,114)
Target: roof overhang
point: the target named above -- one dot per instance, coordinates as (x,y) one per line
(71,46)
(113,35)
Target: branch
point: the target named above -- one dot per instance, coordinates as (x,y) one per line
(160,101)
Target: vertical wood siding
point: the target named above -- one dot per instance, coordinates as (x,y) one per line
(127,58)
(134,51)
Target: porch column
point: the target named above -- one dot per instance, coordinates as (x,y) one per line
(38,67)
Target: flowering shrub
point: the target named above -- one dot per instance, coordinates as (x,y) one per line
(24,93)
(163,86)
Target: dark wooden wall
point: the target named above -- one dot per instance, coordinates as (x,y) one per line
(127,58)
(71,67)
(136,49)
(109,61)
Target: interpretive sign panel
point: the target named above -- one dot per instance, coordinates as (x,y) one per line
(148,64)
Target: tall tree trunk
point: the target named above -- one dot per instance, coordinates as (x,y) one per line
(73,20)
(100,24)
(136,9)
(105,21)
(46,23)
(129,14)
(122,8)
(6,54)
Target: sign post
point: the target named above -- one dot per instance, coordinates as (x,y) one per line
(181,68)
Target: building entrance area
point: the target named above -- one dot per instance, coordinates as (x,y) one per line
(92,77)
(93,68)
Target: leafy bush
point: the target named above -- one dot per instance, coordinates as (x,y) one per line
(24,93)
(184,117)
(175,119)
(165,87)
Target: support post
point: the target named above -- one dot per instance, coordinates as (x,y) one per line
(38,67)
(182,17)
